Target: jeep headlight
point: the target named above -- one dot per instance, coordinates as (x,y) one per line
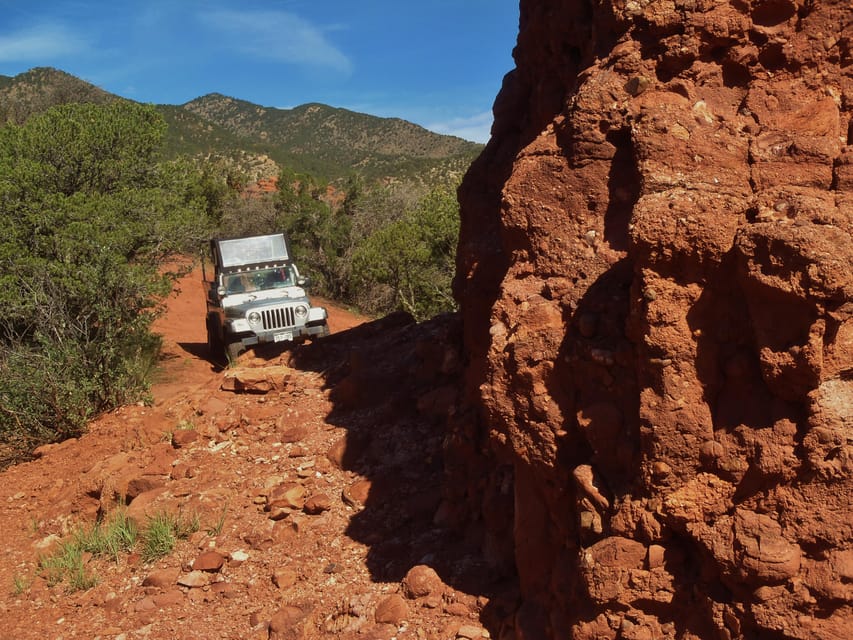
(254,317)
(301,312)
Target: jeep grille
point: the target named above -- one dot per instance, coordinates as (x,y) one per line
(278,318)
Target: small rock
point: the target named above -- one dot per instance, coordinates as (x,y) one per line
(213,406)
(421,581)
(146,604)
(290,434)
(356,494)
(256,379)
(289,495)
(317,504)
(661,469)
(141,484)
(300,451)
(184,437)
(209,561)
(282,623)
(655,556)
(391,610)
(471,632)
(169,599)
(278,513)
(842,563)
(238,557)
(457,609)
(162,578)
(194,580)
(284,578)
(636,85)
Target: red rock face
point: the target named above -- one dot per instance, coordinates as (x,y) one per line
(655,275)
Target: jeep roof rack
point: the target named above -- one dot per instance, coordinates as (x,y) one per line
(238,254)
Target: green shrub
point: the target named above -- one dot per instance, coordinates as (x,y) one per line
(88,213)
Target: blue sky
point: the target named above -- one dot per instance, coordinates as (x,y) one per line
(438,63)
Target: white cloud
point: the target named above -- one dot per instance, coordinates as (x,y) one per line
(278,36)
(40,43)
(476,128)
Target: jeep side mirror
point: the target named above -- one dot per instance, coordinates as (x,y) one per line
(303,281)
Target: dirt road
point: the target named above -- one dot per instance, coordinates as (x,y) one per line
(316,498)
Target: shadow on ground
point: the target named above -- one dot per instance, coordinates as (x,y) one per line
(394,385)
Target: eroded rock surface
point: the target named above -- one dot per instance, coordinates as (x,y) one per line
(655,274)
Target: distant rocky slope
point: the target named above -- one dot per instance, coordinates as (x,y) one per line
(334,142)
(327,142)
(654,271)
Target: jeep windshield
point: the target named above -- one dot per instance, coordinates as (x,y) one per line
(259,280)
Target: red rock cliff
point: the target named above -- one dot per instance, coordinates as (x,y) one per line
(656,275)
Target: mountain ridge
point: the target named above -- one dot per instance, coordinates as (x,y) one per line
(329,142)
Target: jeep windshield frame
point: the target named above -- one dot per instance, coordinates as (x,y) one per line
(263,279)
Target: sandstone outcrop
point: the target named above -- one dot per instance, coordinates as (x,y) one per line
(655,277)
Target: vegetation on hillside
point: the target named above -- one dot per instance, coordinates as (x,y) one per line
(329,143)
(378,248)
(88,214)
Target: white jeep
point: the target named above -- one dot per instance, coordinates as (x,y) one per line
(257,296)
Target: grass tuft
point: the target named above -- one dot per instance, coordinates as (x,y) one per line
(118,535)
(162,532)
(216,529)
(68,562)
(20,585)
